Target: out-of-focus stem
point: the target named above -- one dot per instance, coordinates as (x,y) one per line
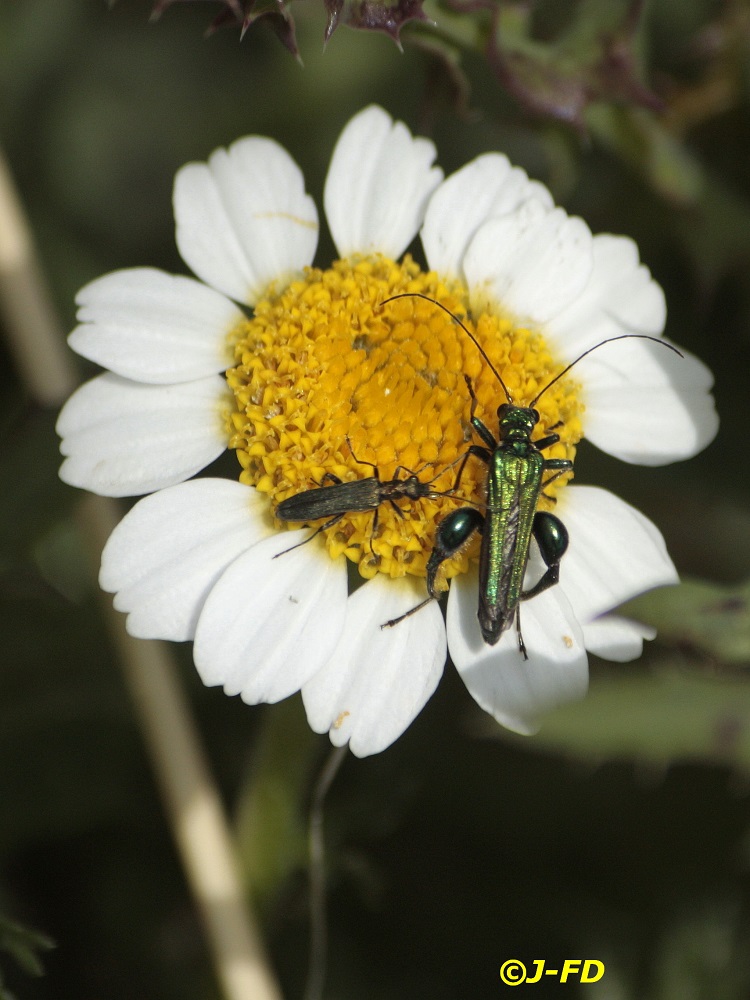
(316,848)
(190,797)
(34,333)
(191,800)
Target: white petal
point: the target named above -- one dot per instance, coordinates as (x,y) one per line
(532,262)
(485,187)
(378,185)
(513,690)
(123,438)
(616,638)
(378,679)
(620,297)
(270,623)
(646,405)
(167,553)
(615,551)
(243,219)
(154,327)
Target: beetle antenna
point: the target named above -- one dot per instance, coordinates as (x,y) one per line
(610,340)
(420,295)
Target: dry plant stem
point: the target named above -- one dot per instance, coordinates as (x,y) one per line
(35,335)
(192,802)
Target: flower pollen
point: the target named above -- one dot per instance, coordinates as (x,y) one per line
(328,381)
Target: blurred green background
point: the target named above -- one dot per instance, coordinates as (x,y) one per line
(620,833)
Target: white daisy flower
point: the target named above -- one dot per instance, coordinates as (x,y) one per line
(318,371)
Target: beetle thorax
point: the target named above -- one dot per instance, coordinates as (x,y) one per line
(516,422)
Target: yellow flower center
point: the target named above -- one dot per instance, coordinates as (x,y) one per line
(328,379)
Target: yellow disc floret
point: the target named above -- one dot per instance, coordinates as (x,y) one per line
(327,379)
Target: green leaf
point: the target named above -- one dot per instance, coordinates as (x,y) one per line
(23,944)
(654,719)
(701,616)
(675,711)
(638,136)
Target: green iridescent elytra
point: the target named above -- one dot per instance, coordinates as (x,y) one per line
(514,482)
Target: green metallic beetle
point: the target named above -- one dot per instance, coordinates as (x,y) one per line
(515,482)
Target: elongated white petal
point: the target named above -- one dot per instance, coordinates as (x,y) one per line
(620,297)
(615,638)
(154,327)
(644,404)
(513,690)
(167,553)
(378,184)
(243,219)
(270,623)
(487,186)
(124,438)
(647,405)
(615,551)
(378,679)
(532,262)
